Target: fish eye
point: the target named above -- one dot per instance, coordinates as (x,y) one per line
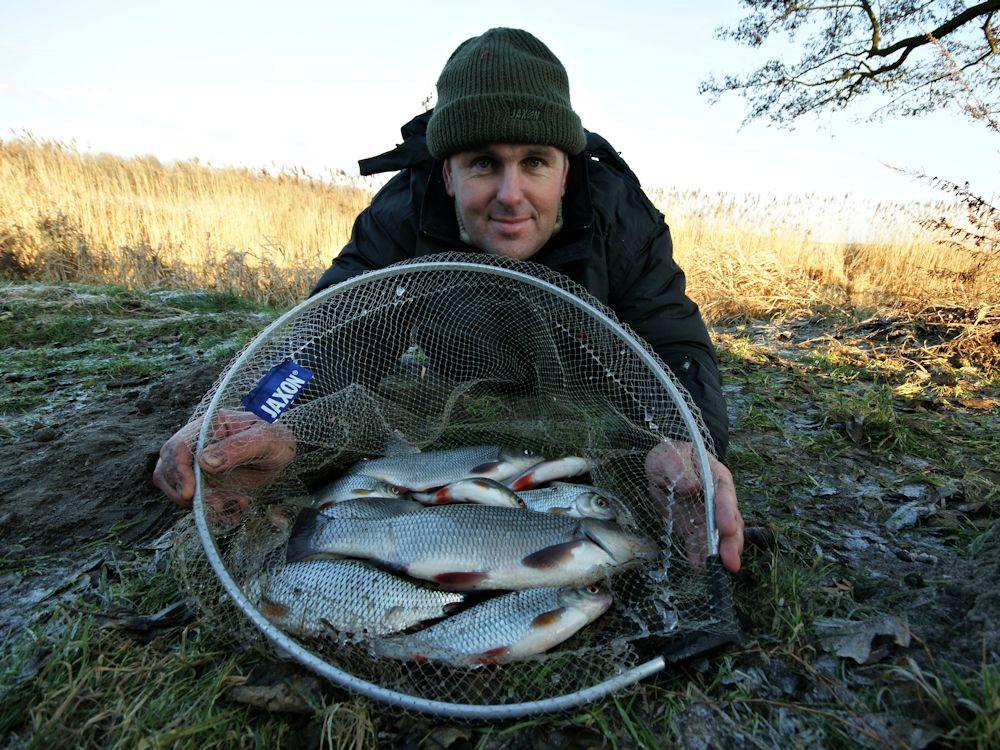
(602,502)
(592,589)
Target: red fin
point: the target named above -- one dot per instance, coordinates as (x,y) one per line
(325,504)
(525,482)
(492,656)
(271,609)
(551,556)
(485,468)
(442,496)
(460,580)
(548,618)
(419,657)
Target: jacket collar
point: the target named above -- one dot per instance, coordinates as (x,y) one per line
(572,243)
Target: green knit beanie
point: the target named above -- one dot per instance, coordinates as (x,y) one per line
(504,86)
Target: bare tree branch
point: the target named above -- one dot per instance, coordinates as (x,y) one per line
(851,50)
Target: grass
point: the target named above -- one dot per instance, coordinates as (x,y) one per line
(59,339)
(71,216)
(869,395)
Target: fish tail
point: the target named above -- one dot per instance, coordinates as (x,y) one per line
(300,543)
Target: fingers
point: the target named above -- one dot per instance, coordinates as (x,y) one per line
(174,472)
(671,465)
(728,519)
(264,447)
(259,449)
(675,485)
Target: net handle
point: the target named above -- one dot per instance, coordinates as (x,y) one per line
(349,681)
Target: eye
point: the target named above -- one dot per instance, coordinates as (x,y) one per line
(602,502)
(593,589)
(482,163)
(534,162)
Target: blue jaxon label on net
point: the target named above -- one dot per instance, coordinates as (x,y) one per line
(277,390)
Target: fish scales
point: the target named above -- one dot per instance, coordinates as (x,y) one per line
(350,486)
(321,597)
(505,628)
(474,546)
(419,472)
(578,500)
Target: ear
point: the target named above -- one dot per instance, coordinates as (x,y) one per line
(446,174)
(565,173)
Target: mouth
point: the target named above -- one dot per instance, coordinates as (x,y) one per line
(510,222)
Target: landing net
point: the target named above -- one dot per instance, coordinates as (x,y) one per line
(458,350)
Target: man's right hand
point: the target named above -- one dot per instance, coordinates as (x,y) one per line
(246,450)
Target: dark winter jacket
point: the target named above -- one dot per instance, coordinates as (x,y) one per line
(613,242)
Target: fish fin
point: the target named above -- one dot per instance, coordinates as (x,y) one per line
(485,468)
(460,579)
(398,445)
(300,542)
(442,496)
(549,557)
(272,609)
(326,504)
(558,511)
(452,607)
(524,482)
(491,656)
(548,618)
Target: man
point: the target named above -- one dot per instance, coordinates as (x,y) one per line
(504,166)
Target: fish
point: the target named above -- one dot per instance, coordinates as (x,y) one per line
(547,471)
(350,486)
(477,490)
(326,597)
(419,472)
(503,629)
(474,547)
(577,500)
(370,508)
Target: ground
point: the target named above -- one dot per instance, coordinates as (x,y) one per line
(866,459)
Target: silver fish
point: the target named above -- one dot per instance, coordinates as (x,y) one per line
(577,500)
(324,597)
(503,629)
(464,547)
(547,471)
(477,490)
(351,486)
(370,508)
(419,472)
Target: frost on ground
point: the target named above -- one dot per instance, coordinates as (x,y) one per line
(866,463)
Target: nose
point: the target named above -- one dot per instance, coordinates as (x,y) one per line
(509,190)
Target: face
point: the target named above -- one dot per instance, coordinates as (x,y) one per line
(508,195)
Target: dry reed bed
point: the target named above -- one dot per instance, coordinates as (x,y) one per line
(74,216)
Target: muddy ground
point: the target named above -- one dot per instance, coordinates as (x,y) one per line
(866,462)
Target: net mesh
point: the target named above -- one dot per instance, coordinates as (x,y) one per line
(451,357)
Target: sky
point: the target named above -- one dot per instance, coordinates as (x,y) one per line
(319,85)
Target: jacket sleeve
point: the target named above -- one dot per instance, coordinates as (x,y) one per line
(651,298)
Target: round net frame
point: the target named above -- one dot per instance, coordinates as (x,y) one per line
(456,350)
